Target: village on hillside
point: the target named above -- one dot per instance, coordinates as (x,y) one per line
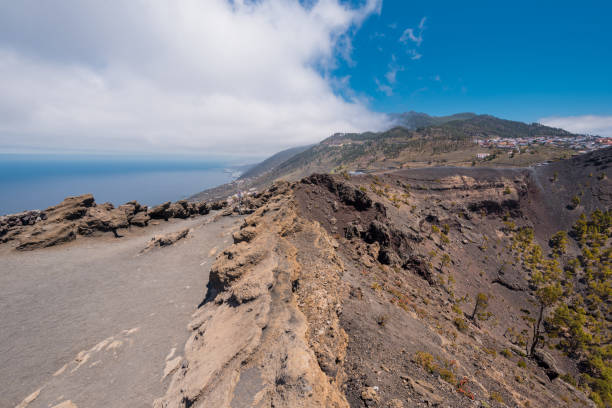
(582,143)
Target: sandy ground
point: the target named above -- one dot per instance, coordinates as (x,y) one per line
(97,322)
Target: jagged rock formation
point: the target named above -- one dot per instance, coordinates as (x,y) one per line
(290,347)
(81,215)
(166,239)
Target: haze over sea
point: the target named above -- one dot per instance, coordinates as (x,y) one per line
(40,181)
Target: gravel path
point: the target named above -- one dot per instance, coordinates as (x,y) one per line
(96,322)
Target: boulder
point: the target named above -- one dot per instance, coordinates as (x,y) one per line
(202,207)
(548,363)
(191,207)
(46,236)
(102,218)
(137,206)
(166,239)
(132,208)
(369,396)
(160,211)
(22,218)
(245,234)
(420,266)
(72,208)
(387,256)
(377,232)
(105,206)
(179,209)
(140,219)
(230,265)
(217,205)
(353,230)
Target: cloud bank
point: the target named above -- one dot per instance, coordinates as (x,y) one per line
(207,76)
(587,124)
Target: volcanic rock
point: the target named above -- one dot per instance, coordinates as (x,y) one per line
(140,219)
(46,236)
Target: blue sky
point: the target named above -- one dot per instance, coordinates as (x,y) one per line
(521,60)
(252,77)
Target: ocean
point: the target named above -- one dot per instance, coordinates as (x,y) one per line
(39,181)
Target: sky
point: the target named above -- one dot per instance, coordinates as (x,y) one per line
(251,77)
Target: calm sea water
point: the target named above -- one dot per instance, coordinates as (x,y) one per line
(37,182)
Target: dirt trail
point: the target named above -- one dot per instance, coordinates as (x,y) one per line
(97,322)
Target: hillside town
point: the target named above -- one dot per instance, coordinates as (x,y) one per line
(582,143)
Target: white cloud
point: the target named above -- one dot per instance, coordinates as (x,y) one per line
(213,76)
(390,76)
(587,124)
(414,55)
(384,88)
(394,68)
(414,35)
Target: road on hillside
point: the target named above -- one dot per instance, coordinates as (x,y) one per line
(95,323)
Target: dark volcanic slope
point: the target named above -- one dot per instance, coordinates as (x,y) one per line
(586,176)
(415,259)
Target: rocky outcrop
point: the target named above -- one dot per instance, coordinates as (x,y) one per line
(548,363)
(166,239)
(179,209)
(80,215)
(47,236)
(102,218)
(72,208)
(347,194)
(140,219)
(268,333)
(22,218)
(132,208)
(497,208)
(12,224)
(160,211)
(246,234)
(218,205)
(415,260)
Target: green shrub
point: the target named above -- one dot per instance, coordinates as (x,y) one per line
(457,309)
(496,396)
(425,360)
(558,243)
(482,302)
(447,375)
(574,202)
(461,324)
(569,379)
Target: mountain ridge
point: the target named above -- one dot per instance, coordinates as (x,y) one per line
(446,140)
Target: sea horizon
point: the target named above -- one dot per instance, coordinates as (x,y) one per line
(30,182)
